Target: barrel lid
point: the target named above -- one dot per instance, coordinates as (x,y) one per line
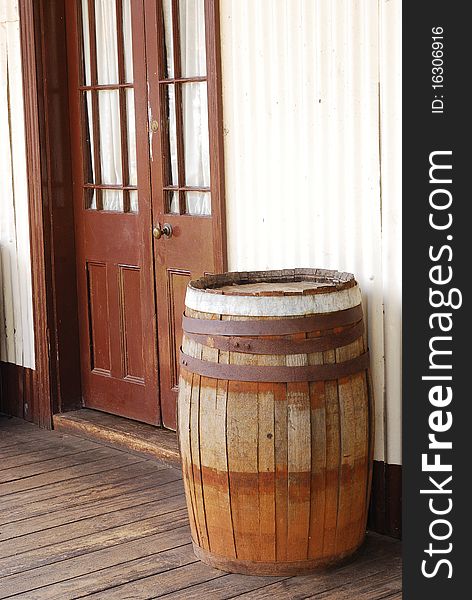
(273,293)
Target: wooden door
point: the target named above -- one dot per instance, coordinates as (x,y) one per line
(186,166)
(112,207)
(146,135)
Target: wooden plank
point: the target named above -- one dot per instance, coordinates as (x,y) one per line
(11,422)
(270,400)
(99,559)
(281,469)
(57,463)
(383,586)
(18,449)
(299,461)
(72,492)
(46,479)
(121,433)
(183,424)
(93,524)
(22,454)
(332,460)
(23,436)
(126,499)
(318,461)
(198,500)
(10,428)
(163,584)
(299,469)
(115,576)
(169,514)
(362,450)
(194,424)
(242,444)
(345,533)
(380,556)
(344,537)
(214,461)
(124,483)
(219,588)
(25,442)
(9,425)
(266,461)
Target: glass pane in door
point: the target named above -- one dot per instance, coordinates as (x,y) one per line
(112,200)
(192,38)
(196,144)
(87,138)
(106,40)
(131,125)
(169,38)
(110,137)
(87,76)
(108,112)
(198,203)
(184,96)
(127,42)
(172,166)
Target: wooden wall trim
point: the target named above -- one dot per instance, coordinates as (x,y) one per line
(215,107)
(385,514)
(41,381)
(58,214)
(54,384)
(17,391)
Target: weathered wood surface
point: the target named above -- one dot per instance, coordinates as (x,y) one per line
(277,475)
(122,532)
(149,441)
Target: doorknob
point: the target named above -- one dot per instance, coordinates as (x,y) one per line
(166,231)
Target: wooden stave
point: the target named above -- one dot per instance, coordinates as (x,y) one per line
(229,539)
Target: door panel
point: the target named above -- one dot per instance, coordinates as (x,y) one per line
(131,322)
(177,281)
(186,172)
(112,207)
(97,296)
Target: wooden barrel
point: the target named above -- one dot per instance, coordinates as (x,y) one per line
(275,420)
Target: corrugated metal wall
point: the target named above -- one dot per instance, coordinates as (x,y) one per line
(16,320)
(302,118)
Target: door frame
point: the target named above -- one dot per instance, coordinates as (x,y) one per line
(55,385)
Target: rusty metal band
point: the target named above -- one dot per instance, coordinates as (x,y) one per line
(280,346)
(257,327)
(275,374)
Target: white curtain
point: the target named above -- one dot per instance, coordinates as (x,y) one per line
(108,100)
(192,38)
(16,309)
(194,102)
(196,146)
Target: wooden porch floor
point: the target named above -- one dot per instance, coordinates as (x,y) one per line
(80,519)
